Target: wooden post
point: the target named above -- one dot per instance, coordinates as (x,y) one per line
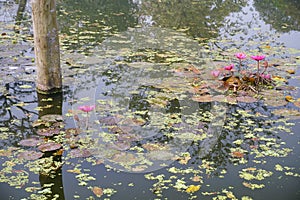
(46,44)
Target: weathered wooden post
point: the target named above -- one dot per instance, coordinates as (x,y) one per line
(46,44)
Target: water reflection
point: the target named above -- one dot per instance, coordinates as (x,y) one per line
(199,19)
(282,17)
(52,180)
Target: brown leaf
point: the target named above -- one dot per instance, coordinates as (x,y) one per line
(196,179)
(97,191)
(237,154)
(184,160)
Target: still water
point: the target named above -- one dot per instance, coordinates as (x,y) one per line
(137,62)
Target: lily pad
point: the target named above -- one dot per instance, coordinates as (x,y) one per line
(160,155)
(124,158)
(30,155)
(128,137)
(52,118)
(274,98)
(120,145)
(80,153)
(110,120)
(72,131)
(205,98)
(50,146)
(288,113)
(246,99)
(31,142)
(48,132)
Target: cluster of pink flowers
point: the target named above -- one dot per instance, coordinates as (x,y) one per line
(241,56)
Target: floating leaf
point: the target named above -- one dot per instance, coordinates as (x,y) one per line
(197,179)
(4,152)
(97,191)
(25,86)
(184,159)
(153,147)
(72,132)
(160,155)
(192,188)
(48,132)
(279,79)
(30,155)
(246,99)
(290,71)
(289,98)
(31,142)
(297,103)
(205,98)
(289,113)
(253,185)
(237,154)
(274,98)
(50,146)
(80,153)
(75,171)
(52,118)
(120,145)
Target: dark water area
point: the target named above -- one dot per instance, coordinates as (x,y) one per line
(140,63)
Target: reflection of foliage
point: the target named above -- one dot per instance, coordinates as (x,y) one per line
(15,112)
(199,18)
(89,22)
(283,15)
(19,106)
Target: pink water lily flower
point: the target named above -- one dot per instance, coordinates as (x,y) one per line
(215,73)
(258,57)
(266,76)
(86,108)
(229,67)
(240,56)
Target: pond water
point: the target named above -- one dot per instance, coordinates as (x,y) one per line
(161,128)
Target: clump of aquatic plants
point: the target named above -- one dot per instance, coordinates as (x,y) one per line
(244,77)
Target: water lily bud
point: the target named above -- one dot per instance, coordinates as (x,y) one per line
(229,67)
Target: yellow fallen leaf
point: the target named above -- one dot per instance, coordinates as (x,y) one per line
(290,71)
(75,171)
(289,98)
(230,195)
(280,79)
(193,188)
(251,169)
